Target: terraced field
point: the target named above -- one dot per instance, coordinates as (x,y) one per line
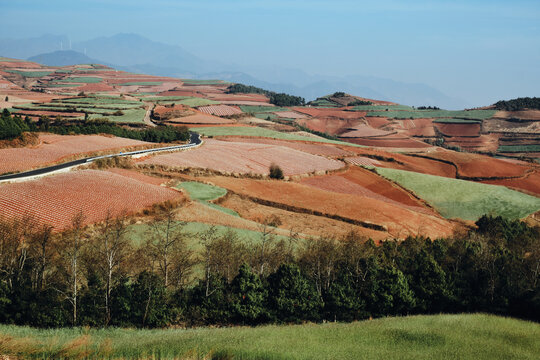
(91,191)
(205,193)
(463,199)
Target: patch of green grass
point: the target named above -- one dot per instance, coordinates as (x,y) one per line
(63,85)
(99,100)
(130,116)
(165,98)
(519,148)
(324,103)
(463,199)
(457,121)
(194,102)
(265,116)
(203,192)
(476,336)
(203,82)
(262,132)
(142,83)
(261,109)
(416,114)
(82,79)
(381,107)
(30,74)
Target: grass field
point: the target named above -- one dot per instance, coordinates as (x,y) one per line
(194,102)
(381,107)
(203,82)
(262,132)
(467,200)
(29,73)
(205,193)
(476,336)
(519,148)
(130,116)
(261,109)
(324,103)
(63,85)
(417,114)
(83,79)
(142,83)
(99,100)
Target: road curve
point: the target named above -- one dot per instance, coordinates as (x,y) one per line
(195,140)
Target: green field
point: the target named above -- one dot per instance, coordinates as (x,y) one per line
(261,109)
(29,73)
(262,132)
(381,107)
(203,82)
(142,83)
(194,102)
(476,336)
(99,100)
(457,121)
(417,114)
(82,79)
(467,200)
(324,103)
(205,193)
(519,148)
(55,85)
(130,116)
(163,98)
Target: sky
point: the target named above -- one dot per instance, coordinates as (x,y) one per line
(479,50)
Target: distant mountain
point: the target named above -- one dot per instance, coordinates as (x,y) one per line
(135,53)
(25,48)
(135,50)
(63,58)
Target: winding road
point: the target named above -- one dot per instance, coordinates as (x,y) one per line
(195,140)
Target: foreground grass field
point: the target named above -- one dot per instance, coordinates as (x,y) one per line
(417,337)
(463,199)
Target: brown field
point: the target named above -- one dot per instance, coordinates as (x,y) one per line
(358,181)
(305,224)
(524,114)
(529,183)
(136,175)
(200,118)
(231,157)
(57,199)
(390,141)
(376,122)
(488,142)
(220,110)
(290,114)
(54,148)
(324,113)
(309,147)
(330,125)
(461,130)
(399,221)
(479,166)
(364,131)
(362,161)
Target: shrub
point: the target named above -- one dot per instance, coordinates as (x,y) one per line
(276,172)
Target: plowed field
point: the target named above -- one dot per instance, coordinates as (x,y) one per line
(57,147)
(220,110)
(233,157)
(399,221)
(57,199)
(315,149)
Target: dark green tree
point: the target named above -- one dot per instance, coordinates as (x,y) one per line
(248,297)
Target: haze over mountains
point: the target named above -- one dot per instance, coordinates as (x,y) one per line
(131,52)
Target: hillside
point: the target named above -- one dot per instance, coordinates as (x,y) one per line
(417,337)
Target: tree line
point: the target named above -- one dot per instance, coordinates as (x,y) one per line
(12,126)
(278,99)
(97,276)
(518,104)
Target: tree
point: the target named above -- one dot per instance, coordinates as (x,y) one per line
(248,297)
(292,297)
(275,172)
(149,306)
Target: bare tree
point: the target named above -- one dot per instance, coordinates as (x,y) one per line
(112,248)
(73,242)
(267,233)
(207,240)
(42,252)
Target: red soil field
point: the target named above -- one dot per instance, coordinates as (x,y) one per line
(136,175)
(220,110)
(399,221)
(191,93)
(362,161)
(376,122)
(322,112)
(406,162)
(329,125)
(524,114)
(48,113)
(240,97)
(230,157)
(57,199)
(99,87)
(309,147)
(479,166)
(249,103)
(391,141)
(461,130)
(200,118)
(358,181)
(54,148)
(290,114)
(530,183)
(364,131)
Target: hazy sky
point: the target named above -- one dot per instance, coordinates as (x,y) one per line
(481,50)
